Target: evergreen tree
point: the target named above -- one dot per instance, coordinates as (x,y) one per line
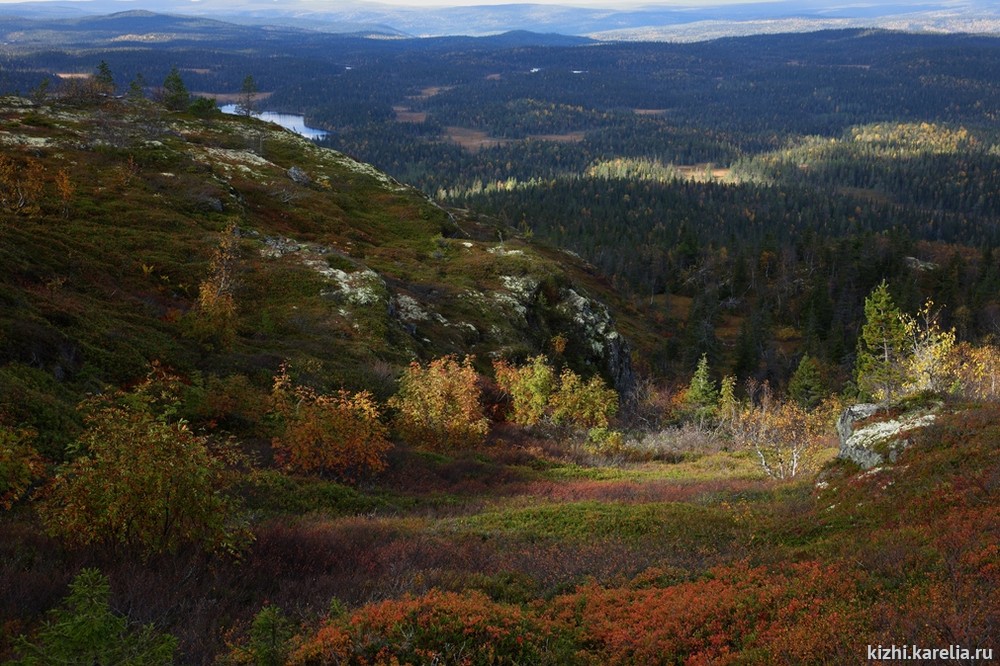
(700,339)
(104,80)
(175,93)
(137,88)
(806,385)
(248,97)
(702,397)
(880,367)
(84,630)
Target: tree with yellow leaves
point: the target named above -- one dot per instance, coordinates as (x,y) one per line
(786,438)
(215,308)
(338,435)
(930,349)
(141,479)
(438,405)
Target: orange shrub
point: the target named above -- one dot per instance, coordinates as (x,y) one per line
(437,628)
(438,405)
(737,614)
(338,434)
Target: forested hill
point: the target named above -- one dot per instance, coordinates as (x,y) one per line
(221,247)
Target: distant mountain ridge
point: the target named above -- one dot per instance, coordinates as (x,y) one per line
(644,23)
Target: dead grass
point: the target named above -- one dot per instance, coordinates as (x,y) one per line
(473,140)
(405,115)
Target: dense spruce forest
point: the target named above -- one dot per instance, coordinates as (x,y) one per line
(776,178)
(552,351)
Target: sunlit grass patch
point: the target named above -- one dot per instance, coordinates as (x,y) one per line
(693,467)
(697,525)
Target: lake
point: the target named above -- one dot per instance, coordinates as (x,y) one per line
(287,120)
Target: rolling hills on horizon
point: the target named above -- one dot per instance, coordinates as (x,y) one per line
(663,23)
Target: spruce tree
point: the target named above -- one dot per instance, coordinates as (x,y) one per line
(806,384)
(104,80)
(880,368)
(702,396)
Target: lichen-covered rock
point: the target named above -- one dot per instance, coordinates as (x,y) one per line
(595,327)
(408,309)
(854,413)
(299,176)
(875,444)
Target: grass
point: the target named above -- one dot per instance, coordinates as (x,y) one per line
(694,467)
(688,524)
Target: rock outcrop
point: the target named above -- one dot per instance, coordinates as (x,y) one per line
(874,444)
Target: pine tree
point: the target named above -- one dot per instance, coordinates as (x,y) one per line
(248,97)
(84,630)
(880,368)
(175,93)
(137,88)
(104,80)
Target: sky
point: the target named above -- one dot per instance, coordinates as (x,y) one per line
(608,4)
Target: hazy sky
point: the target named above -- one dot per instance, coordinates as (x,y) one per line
(609,4)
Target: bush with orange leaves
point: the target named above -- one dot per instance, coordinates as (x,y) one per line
(337,435)
(438,405)
(736,614)
(437,628)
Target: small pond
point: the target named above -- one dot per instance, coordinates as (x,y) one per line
(287,120)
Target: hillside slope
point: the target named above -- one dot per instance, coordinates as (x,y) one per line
(112,213)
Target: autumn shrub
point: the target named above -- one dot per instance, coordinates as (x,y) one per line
(438,627)
(610,443)
(589,404)
(538,394)
(141,479)
(530,387)
(21,184)
(786,438)
(338,435)
(438,405)
(975,372)
(734,615)
(215,312)
(20,464)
